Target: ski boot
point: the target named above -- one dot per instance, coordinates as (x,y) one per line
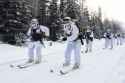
(76,66)
(38,60)
(30,60)
(66,64)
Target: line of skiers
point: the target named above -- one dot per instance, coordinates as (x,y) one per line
(119,38)
(37,32)
(113,39)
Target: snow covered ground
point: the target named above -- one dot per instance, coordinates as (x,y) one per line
(100,66)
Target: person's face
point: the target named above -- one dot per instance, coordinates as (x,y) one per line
(34,23)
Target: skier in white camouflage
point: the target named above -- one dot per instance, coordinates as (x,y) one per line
(108,39)
(89,39)
(119,38)
(71,32)
(36,33)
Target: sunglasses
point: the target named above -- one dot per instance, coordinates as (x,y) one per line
(66,20)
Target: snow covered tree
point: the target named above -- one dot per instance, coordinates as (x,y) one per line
(15,19)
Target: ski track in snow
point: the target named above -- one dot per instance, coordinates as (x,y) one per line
(100,66)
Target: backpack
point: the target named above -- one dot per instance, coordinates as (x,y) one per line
(81,35)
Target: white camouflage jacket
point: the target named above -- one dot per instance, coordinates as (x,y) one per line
(41,28)
(71,31)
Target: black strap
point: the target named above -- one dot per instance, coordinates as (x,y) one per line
(80,33)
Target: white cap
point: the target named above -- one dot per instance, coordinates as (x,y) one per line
(67,18)
(34,20)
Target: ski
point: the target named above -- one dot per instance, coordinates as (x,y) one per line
(64,72)
(21,66)
(25,65)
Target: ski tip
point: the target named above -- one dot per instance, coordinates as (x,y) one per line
(62,73)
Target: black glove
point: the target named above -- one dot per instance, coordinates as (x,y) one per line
(80,36)
(64,39)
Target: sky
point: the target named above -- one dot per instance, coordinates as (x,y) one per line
(112,9)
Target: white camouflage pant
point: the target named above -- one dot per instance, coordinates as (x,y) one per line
(34,49)
(119,41)
(89,46)
(109,43)
(76,46)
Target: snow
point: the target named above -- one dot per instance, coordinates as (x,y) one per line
(100,66)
